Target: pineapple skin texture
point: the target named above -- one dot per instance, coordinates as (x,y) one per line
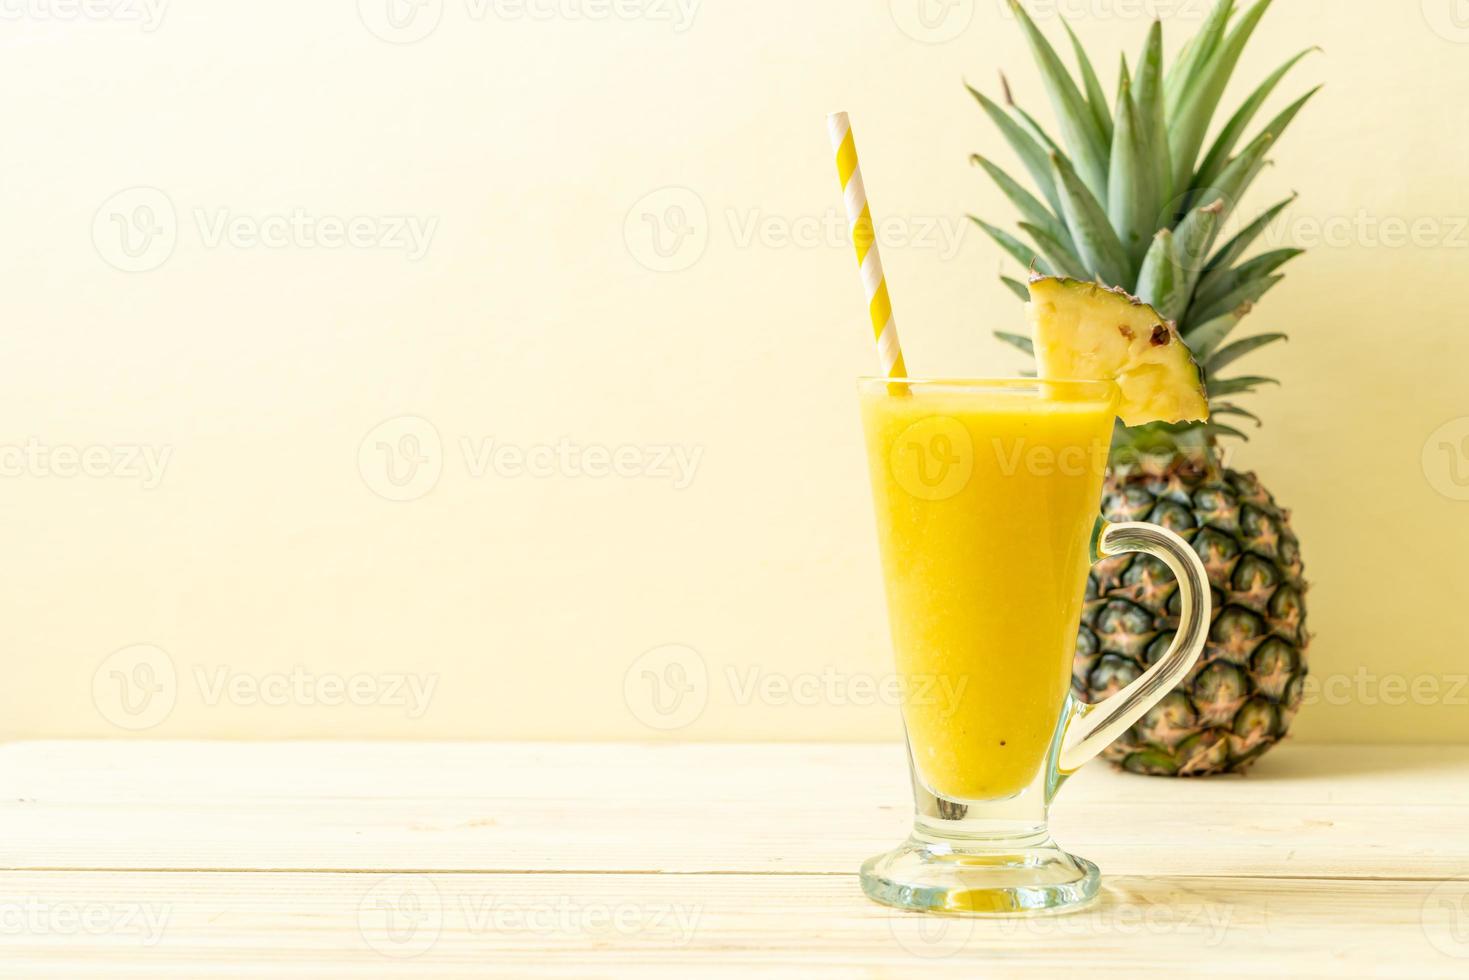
(1241,697)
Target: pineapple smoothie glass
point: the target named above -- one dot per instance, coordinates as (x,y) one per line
(986,496)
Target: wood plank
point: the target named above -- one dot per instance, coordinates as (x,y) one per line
(820,809)
(234,924)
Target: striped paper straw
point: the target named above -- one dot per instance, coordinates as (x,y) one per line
(859,218)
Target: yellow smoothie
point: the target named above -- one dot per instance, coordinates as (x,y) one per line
(986,496)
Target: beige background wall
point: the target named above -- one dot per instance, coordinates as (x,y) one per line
(208,265)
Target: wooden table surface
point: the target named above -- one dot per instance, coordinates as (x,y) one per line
(333,859)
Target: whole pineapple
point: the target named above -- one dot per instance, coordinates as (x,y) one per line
(1126,200)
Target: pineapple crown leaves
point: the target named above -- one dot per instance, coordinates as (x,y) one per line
(1131,196)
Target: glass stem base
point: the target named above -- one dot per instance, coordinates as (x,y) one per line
(1020,874)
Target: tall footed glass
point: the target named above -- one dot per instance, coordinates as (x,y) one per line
(987,495)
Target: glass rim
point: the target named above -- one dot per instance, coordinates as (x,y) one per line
(1105,387)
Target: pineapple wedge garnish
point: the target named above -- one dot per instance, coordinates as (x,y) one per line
(1084,331)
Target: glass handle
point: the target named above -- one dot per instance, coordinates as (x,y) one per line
(1092,727)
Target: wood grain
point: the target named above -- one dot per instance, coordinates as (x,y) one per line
(233,859)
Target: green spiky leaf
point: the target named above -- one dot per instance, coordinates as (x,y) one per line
(1228,355)
(1132,204)
(1152,121)
(1237,176)
(1192,241)
(1220,429)
(1189,119)
(1025,202)
(1084,138)
(1013,246)
(1096,97)
(1018,341)
(1060,257)
(1235,249)
(1037,132)
(1017,287)
(1233,386)
(1194,59)
(1097,245)
(1205,338)
(1221,282)
(1234,130)
(1229,408)
(1277,126)
(1242,297)
(1036,160)
(1160,281)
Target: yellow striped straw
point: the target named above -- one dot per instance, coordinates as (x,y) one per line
(864,238)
